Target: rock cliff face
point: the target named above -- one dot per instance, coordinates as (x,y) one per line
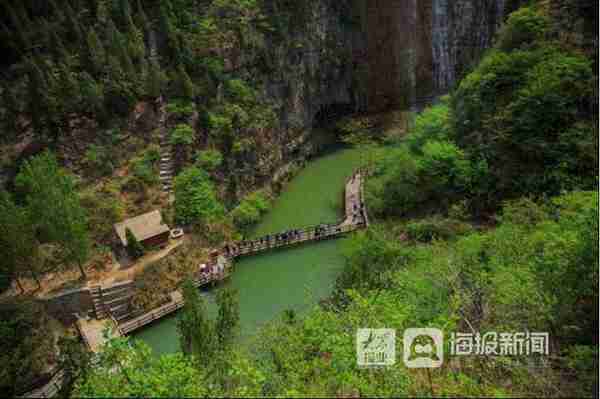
(375,54)
(419,48)
(334,56)
(329,57)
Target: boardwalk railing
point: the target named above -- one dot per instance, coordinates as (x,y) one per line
(51,388)
(149,317)
(292,237)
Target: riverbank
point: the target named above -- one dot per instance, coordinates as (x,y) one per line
(295,278)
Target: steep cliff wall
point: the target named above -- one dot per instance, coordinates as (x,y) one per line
(358,55)
(309,74)
(419,48)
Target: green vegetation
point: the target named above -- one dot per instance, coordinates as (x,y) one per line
(250,209)
(484,218)
(209,159)
(134,247)
(54,208)
(195,198)
(28,346)
(182,134)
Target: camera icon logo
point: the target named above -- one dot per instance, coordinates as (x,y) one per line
(423,347)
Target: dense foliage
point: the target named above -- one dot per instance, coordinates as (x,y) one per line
(195,198)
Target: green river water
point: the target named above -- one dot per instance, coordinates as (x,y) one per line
(295,278)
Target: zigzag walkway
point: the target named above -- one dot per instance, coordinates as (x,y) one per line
(221,264)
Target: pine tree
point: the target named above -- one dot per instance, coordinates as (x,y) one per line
(38,92)
(196,330)
(134,248)
(228,319)
(58,48)
(125,12)
(186,86)
(17,24)
(12,108)
(96,52)
(73,23)
(155,80)
(141,17)
(113,37)
(135,43)
(127,63)
(69,88)
(92,94)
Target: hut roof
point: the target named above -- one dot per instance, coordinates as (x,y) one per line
(143,226)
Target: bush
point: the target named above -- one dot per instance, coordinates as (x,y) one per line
(529,107)
(239,91)
(195,198)
(98,160)
(433,124)
(431,229)
(182,134)
(250,209)
(523,27)
(144,172)
(209,159)
(180,109)
(404,182)
(134,247)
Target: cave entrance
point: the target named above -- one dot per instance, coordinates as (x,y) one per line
(329,114)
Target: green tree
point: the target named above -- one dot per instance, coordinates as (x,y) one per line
(39,103)
(75,32)
(183,134)
(209,159)
(187,88)
(54,206)
(155,80)
(92,95)
(96,51)
(57,46)
(228,320)
(195,198)
(140,374)
(18,244)
(525,26)
(196,330)
(134,247)
(141,18)
(18,26)
(69,86)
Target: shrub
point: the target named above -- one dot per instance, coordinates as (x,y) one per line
(239,91)
(250,209)
(431,229)
(195,198)
(98,160)
(134,247)
(182,134)
(180,109)
(209,159)
(523,27)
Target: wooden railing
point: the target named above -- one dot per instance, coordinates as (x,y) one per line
(131,325)
(51,388)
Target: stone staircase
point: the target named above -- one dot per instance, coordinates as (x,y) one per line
(166,153)
(99,309)
(113,300)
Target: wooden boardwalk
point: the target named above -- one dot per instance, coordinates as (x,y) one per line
(173,305)
(221,265)
(354,219)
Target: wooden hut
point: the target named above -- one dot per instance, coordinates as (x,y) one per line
(148,228)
